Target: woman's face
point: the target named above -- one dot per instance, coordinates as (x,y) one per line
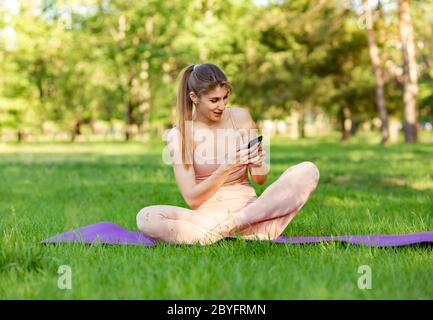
(212,104)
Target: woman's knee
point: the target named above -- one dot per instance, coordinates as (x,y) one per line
(144,219)
(311,170)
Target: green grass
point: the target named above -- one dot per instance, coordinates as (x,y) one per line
(365,188)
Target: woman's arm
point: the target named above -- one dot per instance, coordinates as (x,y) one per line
(202,191)
(193,193)
(259,170)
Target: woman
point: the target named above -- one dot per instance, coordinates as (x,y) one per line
(223,202)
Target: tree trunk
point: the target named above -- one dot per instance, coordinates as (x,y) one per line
(129,121)
(410,85)
(378,73)
(346,124)
(20,135)
(301,122)
(76,131)
(130,106)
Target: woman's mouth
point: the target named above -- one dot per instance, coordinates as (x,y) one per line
(218,113)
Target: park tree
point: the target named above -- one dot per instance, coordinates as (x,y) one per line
(26,82)
(422,13)
(377,64)
(410,77)
(136,39)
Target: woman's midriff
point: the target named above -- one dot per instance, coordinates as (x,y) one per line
(228,198)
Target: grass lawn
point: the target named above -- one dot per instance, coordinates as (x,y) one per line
(365,188)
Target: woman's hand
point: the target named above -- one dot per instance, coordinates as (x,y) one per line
(242,157)
(258,168)
(257,158)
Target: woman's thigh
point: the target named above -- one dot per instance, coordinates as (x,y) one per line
(175,224)
(168,212)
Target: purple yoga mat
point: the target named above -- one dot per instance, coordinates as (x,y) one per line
(110,233)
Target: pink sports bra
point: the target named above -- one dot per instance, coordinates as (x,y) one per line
(205,166)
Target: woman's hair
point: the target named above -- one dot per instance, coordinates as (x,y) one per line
(201,79)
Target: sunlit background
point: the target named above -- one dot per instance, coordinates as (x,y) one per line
(85,70)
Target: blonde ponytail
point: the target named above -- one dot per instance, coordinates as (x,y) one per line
(184,108)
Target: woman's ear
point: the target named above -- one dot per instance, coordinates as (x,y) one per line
(193,97)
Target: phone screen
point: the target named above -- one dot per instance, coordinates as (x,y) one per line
(254,141)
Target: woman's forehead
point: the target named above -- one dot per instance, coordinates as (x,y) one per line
(218,92)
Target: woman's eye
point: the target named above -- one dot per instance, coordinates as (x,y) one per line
(214,101)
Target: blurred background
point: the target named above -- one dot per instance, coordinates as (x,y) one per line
(106,70)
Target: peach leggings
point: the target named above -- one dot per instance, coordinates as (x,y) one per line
(234,210)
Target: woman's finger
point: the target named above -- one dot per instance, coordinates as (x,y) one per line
(254,160)
(253,154)
(255,148)
(258,160)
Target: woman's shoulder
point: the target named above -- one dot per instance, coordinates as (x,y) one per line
(239,111)
(242,117)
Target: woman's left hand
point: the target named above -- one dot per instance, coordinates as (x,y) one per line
(257,159)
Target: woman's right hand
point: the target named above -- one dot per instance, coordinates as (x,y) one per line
(241,157)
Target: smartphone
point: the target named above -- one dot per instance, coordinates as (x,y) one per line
(254,141)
